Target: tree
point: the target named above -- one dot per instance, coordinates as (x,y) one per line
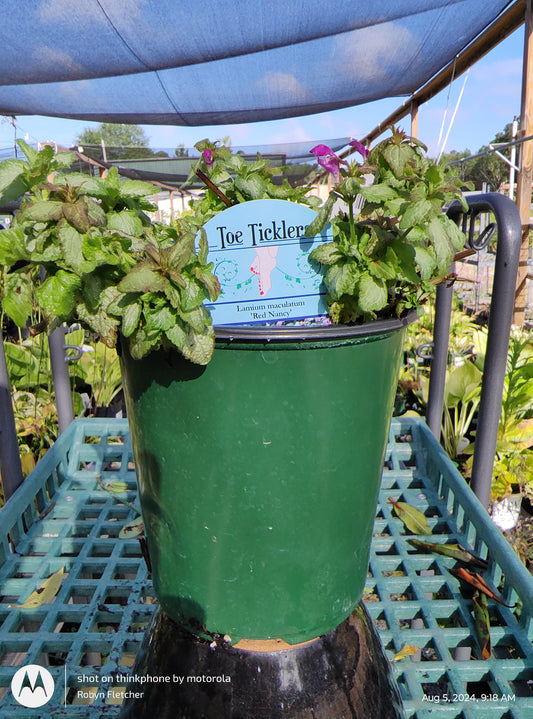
(461,168)
(121,141)
(181,151)
(489,168)
(114,135)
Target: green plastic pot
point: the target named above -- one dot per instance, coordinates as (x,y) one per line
(259,474)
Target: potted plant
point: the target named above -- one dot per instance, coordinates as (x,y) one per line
(259,472)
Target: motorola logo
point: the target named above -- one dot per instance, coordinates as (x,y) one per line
(32,686)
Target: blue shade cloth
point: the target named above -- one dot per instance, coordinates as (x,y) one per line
(212,62)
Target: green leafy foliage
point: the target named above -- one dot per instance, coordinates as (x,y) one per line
(239,180)
(106,264)
(386,259)
(96,373)
(95,380)
(36,422)
(462,393)
(513,465)
(514,455)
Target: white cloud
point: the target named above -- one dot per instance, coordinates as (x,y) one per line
(89,12)
(285,88)
(293,131)
(52,56)
(505,70)
(74,90)
(60,11)
(369,54)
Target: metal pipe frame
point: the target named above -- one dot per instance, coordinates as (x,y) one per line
(501,313)
(61,378)
(439,358)
(10,465)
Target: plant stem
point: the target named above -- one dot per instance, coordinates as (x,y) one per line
(205,179)
(350,214)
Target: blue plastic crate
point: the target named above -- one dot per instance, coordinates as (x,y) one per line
(91,631)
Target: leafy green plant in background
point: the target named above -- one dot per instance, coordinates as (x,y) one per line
(96,375)
(514,456)
(27,363)
(462,393)
(99,369)
(36,422)
(464,345)
(33,400)
(462,389)
(513,468)
(517,403)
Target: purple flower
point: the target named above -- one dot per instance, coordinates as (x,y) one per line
(328,160)
(360,148)
(208,157)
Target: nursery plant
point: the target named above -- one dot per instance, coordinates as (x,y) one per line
(513,467)
(392,242)
(231,179)
(95,380)
(462,393)
(84,249)
(36,422)
(387,256)
(462,346)
(32,396)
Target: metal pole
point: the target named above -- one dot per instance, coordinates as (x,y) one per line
(60,377)
(414,119)
(525,176)
(439,360)
(512,164)
(501,315)
(10,466)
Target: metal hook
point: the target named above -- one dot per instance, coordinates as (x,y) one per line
(425,351)
(74,357)
(484,238)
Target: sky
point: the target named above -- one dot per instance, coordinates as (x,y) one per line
(480,103)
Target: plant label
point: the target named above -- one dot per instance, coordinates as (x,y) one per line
(261,258)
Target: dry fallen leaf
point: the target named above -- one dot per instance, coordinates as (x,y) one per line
(132,529)
(482,623)
(44,593)
(456,551)
(413,519)
(405,651)
(477,581)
